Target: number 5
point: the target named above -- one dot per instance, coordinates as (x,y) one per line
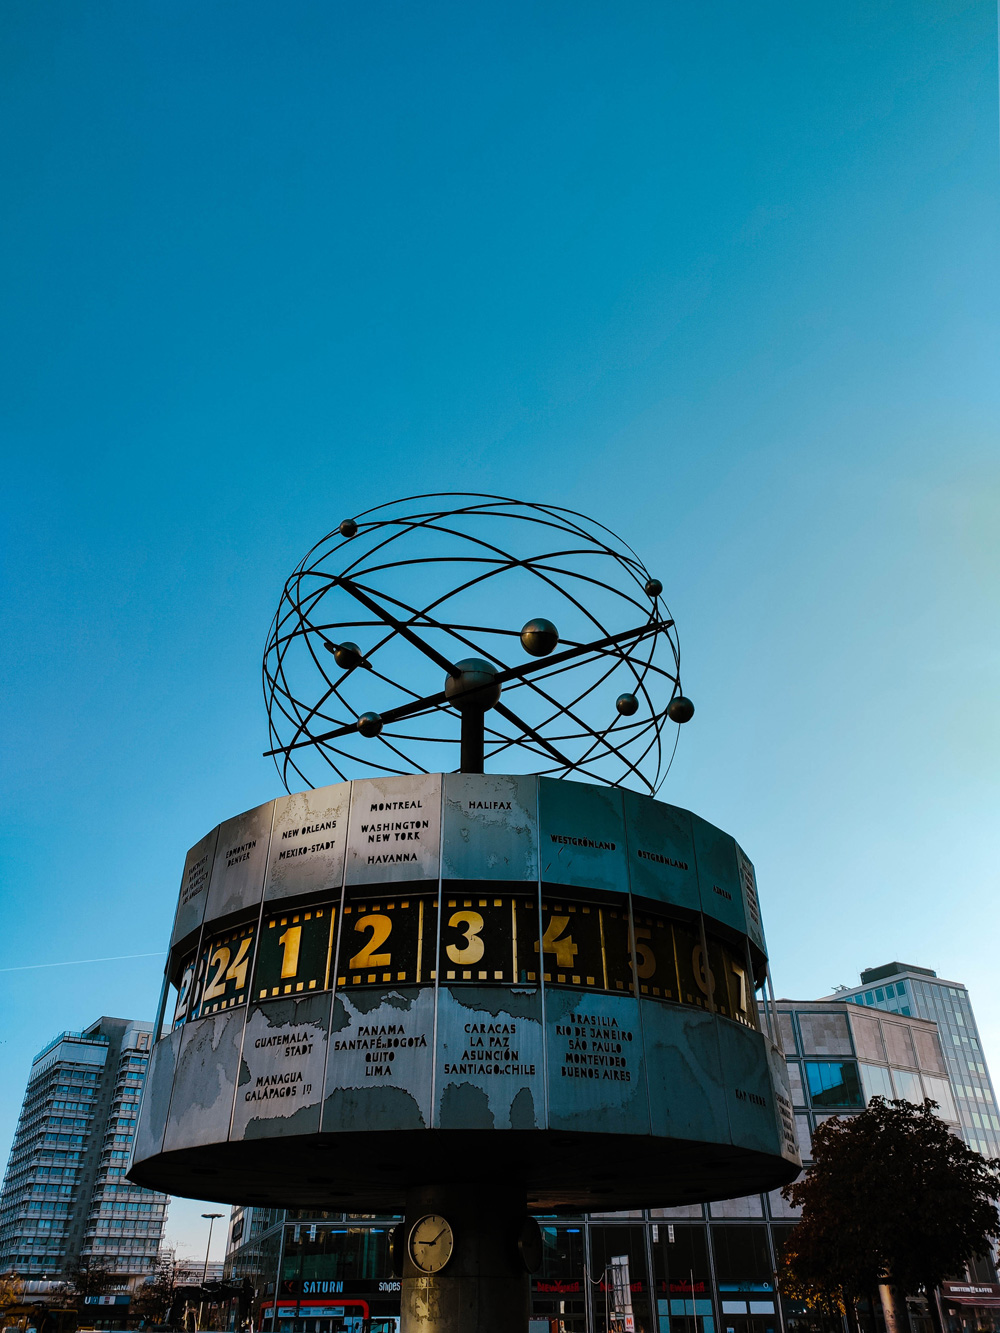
(647,961)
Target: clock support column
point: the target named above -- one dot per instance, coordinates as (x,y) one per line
(484,1287)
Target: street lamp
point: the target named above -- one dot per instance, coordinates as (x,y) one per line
(204,1272)
(211,1223)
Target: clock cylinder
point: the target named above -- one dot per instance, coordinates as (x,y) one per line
(459,981)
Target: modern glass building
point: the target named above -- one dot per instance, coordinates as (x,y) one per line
(901,988)
(65,1198)
(697,1269)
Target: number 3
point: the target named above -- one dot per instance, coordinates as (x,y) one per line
(474,948)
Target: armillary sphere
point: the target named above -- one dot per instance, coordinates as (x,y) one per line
(538,627)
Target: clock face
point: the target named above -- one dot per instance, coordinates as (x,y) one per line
(431,1243)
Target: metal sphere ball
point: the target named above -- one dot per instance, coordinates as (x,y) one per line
(474,687)
(680,709)
(539,637)
(348,528)
(653,587)
(347,655)
(627,704)
(370,724)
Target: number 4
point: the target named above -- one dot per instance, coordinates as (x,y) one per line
(553,941)
(237,970)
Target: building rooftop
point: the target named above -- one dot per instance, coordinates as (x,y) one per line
(872,974)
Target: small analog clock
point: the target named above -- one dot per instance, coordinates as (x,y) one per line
(431,1243)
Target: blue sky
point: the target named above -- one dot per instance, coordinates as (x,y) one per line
(724,276)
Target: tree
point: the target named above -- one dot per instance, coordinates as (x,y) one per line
(153,1298)
(11,1289)
(892,1196)
(89,1277)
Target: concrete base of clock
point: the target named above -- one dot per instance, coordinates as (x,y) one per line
(483,1287)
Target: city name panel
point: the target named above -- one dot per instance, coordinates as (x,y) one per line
(391,982)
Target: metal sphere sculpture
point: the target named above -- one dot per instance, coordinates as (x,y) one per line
(379,641)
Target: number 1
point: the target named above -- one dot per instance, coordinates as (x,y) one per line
(290,942)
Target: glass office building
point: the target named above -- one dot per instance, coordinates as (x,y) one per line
(901,988)
(697,1269)
(65,1197)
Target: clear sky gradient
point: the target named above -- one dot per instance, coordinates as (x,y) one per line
(723,275)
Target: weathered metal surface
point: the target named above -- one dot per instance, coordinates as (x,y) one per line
(490,827)
(718,874)
(394,833)
(194,887)
(751,903)
(489,1059)
(753,1120)
(684,1071)
(308,842)
(156,1096)
(582,836)
(661,858)
(783,1104)
(240,857)
(380,1060)
(280,1085)
(205,1081)
(596,1067)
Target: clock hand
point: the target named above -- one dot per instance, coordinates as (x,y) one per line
(501,677)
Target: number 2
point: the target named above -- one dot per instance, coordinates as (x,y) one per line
(381,928)
(217,985)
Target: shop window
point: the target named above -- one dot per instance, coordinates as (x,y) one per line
(559,1288)
(612,1243)
(742,1256)
(335,1252)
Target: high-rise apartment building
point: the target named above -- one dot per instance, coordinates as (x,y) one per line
(65,1197)
(904,989)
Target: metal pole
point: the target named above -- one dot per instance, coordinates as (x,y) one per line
(473,740)
(204,1272)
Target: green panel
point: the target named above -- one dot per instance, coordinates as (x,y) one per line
(582,836)
(661,852)
(718,874)
(684,1072)
(751,902)
(596,1070)
(753,1115)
